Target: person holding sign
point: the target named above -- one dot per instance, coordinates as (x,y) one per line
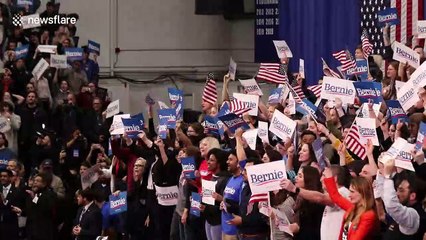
(250,222)
(404,206)
(360,221)
(218,166)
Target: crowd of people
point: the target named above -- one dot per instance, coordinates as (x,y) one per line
(54,131)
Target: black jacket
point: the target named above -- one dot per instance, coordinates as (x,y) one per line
(91,223)
(8,219)
(41,216)
(213,214)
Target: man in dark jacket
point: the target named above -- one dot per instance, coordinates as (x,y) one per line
(12,202)
(41,209)
(88,222)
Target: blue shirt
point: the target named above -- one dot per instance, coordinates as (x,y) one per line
(92,69)
(232,192)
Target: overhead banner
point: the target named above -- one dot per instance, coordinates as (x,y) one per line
(251,86)
(333,88)
(405,54)
(396,111)
(407,96)
(367,130)
(251,100)
(369,90)
(208,188)
(266,177)
(282,126)
(118,204)
(267,28)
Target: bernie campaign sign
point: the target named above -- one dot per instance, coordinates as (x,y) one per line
(396,111)
(389,16)
(233,122)
(188,167)
(132,127)
(94,47)
(21,52)
(118,204)
(74,54)
(361,70)
(170,115)
(369,90)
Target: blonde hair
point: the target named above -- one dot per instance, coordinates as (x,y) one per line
(211,142)
(363,186)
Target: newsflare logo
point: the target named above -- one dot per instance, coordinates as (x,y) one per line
(35,20)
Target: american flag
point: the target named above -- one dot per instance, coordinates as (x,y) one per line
(367,47)
(349,63)
(238,107)
(353,142)
(330,72)
(316,89)
(340,56)
(272,72)
(210,91)
(409,11)
(299,92)
(262,199)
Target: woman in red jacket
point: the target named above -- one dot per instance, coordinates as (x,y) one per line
(360,221)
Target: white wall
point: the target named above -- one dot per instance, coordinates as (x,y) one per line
(159,36)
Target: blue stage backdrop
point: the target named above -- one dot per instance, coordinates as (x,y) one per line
(312,29)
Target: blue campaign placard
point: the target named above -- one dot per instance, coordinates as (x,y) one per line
(162,128)
(22,52)
(195,204)
(224,110)
(421,136)
(118,204)
(94,47)
(74,54)
(132,127)
(306,107)
(396,111)
(170,115)
(211,124)
(369,90)
(361,70)
(318,149)
(175,95)
(188,167)
(389,15)
(233,122)
(275,95)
